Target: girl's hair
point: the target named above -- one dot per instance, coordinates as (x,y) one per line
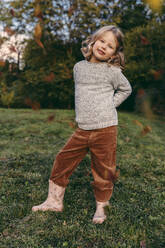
(118,58)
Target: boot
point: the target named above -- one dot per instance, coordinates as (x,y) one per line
(99,215)
(54,201)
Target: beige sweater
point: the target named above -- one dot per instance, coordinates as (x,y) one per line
(99,89)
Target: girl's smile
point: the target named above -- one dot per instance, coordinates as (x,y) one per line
(104,47)
(101,52)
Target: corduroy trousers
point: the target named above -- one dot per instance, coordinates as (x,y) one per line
(101,143)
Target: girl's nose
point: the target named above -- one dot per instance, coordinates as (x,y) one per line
(103,46)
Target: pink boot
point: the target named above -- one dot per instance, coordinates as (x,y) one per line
(54,201)
(99,215)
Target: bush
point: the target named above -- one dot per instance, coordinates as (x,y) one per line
(47,78)
(145,63)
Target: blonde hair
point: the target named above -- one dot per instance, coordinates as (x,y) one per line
(118,58)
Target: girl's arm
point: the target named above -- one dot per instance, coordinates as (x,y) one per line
(122,87)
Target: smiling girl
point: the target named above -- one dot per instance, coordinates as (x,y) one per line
(100,87)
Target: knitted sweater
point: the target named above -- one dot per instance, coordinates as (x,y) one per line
(99,89)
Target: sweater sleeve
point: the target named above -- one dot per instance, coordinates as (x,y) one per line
(74,71)
(122,87)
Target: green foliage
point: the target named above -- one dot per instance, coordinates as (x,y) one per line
(27,152)
(48,75)
(145,61)
(7,92)
(52,52)
(6,97)
(130,14)
(78,18)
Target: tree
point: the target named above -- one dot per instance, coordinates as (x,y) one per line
(73,20)
(144,48)
(56,29)
(12,48)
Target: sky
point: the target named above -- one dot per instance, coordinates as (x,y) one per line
(10,48)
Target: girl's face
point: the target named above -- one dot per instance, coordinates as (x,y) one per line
(104,47)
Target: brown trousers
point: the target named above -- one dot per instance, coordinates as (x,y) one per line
(102,146)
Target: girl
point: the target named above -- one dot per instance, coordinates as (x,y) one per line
(100,87)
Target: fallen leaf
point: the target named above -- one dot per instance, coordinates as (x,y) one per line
(51,118)
(138,123)
(36,105)
(144,40)
(50,77)
(38,31)
(72,124)
(140,93)
(39,43)
(146,130)
(2,63)
(12,12)
(38,12)
(157,74)
(28,101)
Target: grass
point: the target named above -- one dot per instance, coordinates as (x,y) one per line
(28,146)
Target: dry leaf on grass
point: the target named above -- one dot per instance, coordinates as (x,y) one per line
(146,130)
(72,124)
(138,123)
(51,118)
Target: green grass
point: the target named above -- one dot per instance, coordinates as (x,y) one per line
(28,147)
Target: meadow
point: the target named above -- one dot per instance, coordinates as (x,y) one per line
(29,142)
